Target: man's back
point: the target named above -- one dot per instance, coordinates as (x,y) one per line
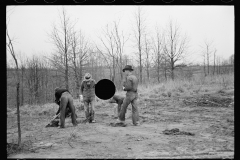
(131,83)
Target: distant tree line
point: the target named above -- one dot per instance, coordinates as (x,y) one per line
(159,57)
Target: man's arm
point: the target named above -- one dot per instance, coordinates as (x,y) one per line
(94,83)
(58,111)
(57,99)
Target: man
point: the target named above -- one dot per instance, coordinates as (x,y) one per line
(88,92)
(119,100)
(130,85)
(65,100)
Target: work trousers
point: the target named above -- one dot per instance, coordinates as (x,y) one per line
(89,108)
(67,100)
(131,97)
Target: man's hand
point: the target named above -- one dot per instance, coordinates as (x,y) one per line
(123,88)
(80,98)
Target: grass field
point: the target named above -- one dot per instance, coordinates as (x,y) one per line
(202,106)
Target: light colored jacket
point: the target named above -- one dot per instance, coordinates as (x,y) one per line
(88,89)
(130,83)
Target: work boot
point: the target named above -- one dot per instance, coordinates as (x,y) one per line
(93,121)
(91,117)
(74,125)
(59,127)
(137,124)
(119,121)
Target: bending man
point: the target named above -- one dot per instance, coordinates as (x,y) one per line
(65,100)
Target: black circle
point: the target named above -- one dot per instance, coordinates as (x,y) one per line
(105,89)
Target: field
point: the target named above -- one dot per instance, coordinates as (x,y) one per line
(179,119)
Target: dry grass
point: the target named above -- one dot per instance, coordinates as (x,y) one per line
(13,148)
(196,85)
(170,88)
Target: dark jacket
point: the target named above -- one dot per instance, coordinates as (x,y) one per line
(130,83)
(58,95)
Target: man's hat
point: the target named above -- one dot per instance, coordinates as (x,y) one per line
(128,67)
(87,76)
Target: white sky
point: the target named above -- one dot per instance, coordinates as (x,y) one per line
(29,25)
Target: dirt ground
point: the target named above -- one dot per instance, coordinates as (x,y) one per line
(208,116)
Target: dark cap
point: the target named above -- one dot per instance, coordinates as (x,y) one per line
(128,67)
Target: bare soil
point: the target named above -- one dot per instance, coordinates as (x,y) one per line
(208,116)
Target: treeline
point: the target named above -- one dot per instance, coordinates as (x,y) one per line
(159,56)
(39,79)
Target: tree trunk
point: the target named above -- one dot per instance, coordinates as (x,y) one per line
(22,95)
(208,63)
(165,69)
(113,77)
(18,115)
(140,69)
(66,76)
(148,75)
(158,74)
(172,69)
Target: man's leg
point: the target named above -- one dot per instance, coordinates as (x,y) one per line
(135,113)
(63,105)
(92,110)
(119,108)
(67,111)
(86,109)
(72,109)
(124,106)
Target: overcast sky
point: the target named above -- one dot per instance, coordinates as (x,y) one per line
(29,25)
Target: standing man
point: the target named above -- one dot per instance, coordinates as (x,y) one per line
(88,92)
(130,85)
(65,100)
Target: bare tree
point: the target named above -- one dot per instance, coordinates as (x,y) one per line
(126,59)
(106,60)
(138,34)
(219,61)
(33,79)
(12,52)
(214,60)
(120,41)
(207,52)
(23,71)
(175,46)
(165,66)
(157,42)
(109,49)
(204,63)
(78,53)
(147,49)
(61,38)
